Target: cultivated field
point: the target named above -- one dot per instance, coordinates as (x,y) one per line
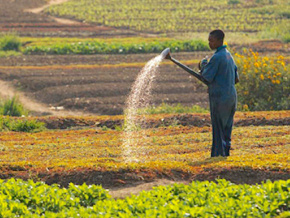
(174,147)
(81,59)
(102,89)
(178,16)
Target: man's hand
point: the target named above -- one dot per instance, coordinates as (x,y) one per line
(202,64)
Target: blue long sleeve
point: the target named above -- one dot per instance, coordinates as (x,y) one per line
(211,69)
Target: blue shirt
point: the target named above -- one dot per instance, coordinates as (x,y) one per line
(221,73)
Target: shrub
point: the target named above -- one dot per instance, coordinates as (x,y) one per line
(264,83)
(28,126)
(12,107)
(10,42)
(8,124)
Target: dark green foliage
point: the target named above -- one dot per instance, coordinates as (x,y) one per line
(199,199)
(10,42)
(12,107)
(233,2)
(20,125)
(28,126)
(26,198)
(90,47)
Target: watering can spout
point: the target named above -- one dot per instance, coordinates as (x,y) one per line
(166,53)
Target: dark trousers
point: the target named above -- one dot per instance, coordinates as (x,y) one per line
(222,111)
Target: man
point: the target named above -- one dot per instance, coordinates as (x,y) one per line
(221,74)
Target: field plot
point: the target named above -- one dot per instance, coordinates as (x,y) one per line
(96,155)
(83,57)
(15,17)
(101,88)
(178,16)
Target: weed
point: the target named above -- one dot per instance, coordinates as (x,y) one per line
(12,107)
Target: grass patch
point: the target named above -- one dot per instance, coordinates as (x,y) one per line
(278,30)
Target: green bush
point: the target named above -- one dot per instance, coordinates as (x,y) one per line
(28,126)
(10,42)
(264,82)
(12,107)
(20,125)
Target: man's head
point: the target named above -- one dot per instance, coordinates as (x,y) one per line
(216,39)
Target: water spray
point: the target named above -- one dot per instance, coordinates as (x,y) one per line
(134,123)
(166,55)
(139,97)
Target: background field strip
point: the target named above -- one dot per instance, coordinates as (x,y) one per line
(122,65)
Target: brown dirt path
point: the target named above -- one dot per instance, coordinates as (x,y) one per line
(8,91)
(40,9)
(135,190)
(53,2)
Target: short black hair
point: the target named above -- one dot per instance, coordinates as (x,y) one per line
(218,34)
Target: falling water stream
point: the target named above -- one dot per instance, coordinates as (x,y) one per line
(138,99)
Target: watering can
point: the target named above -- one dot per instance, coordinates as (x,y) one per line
(166,54)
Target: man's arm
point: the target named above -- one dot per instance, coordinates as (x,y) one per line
(211,69)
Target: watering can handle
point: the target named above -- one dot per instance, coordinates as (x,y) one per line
(186,68)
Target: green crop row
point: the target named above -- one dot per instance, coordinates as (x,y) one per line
(199,199)
(100,47)
(18,197)
(177,15)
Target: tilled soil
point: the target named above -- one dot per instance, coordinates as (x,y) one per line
(91,86)
(124,183)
